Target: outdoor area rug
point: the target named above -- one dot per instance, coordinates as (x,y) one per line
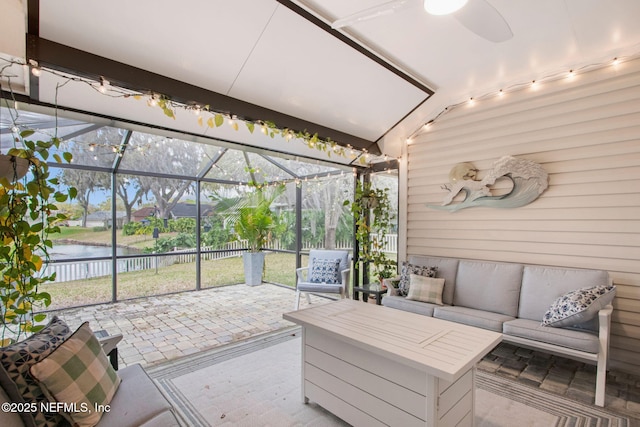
(257,383)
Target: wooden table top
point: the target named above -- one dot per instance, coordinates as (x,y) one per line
(441,348)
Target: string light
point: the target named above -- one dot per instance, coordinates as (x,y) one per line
(533,84)
(103,86)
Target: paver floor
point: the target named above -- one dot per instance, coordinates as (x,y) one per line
(161,328)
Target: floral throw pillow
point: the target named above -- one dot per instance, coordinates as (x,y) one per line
(578,306)
(325,271)
(407,270)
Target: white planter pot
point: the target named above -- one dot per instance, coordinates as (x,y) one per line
(253,267)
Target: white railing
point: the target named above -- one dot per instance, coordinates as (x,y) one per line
(80,270)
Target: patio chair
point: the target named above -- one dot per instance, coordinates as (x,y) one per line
(327,273)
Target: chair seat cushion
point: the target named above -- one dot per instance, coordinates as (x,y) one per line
(581,340)
(472,317)
(319,287)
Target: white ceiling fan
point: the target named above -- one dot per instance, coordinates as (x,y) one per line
(479,16)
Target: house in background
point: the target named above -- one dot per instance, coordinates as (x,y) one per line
(180,210)
(422,90)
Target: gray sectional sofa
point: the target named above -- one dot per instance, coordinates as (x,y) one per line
(512,299)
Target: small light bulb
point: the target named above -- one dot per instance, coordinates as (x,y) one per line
(36,71)
(501,93)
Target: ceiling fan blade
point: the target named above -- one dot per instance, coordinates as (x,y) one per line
(482,18)
(370,13)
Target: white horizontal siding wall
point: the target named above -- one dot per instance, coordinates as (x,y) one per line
(585,132)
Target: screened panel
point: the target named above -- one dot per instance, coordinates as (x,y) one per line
(93,147)
(167,156)
(82,251)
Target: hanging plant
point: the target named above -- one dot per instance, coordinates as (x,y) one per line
(28,215)
(371,209)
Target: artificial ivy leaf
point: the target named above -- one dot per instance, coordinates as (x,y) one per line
(27,133)
(251,126)
(73,192)
(39,317)
(200,121)
(168,112)
(234,125)
(219,118)
(67,156)
(210,122)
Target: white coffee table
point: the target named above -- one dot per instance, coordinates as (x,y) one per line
(373,365)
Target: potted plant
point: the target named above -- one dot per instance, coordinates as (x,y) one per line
(253,221)
(371,209)
(27,216)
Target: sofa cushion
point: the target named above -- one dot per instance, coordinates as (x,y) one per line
(8,418)
(570,338)
(578,306)
(325,271)
(542,285)
(447,269)
(402,303)
(16,360)
(489,286)
(426,289)
(137,400)
(409,269)
(78,371)
(472,317)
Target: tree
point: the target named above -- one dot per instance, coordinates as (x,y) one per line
(86,182)
(327,196)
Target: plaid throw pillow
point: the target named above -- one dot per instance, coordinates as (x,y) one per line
(16,360)
(426,289)
(78,372)
(408,269)
(325,271)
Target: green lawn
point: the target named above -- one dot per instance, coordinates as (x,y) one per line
(280,268)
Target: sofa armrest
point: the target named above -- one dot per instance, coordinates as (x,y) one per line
(604,332)
(389,283)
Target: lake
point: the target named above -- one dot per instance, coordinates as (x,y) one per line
(71,251)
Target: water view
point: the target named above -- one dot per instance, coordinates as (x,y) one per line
(71,251)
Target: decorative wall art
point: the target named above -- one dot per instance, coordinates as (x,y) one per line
(528,178)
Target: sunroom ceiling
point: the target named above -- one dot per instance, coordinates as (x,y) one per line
(266,53)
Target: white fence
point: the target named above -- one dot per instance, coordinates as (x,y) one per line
(79,270)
